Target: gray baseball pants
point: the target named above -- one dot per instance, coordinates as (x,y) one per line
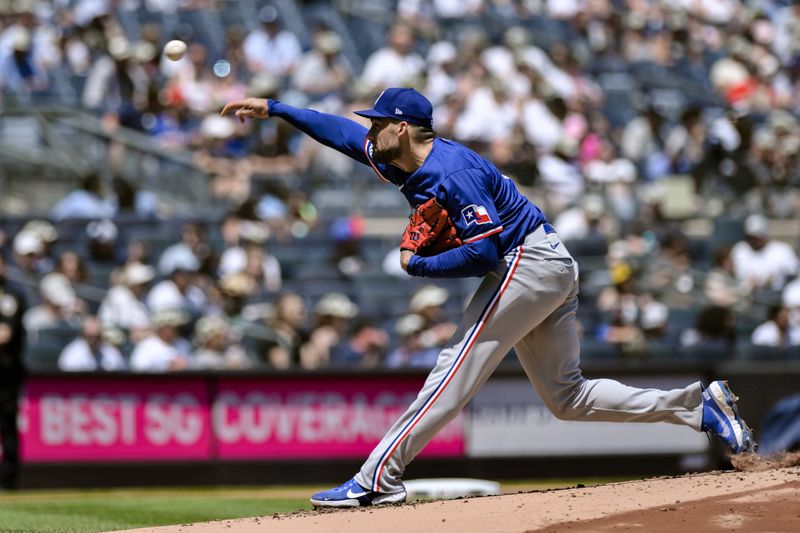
(529,304)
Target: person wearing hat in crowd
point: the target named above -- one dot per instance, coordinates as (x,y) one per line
(250,256)
(215,348)
(411,352)
(194,242)
(91,351)
(285,333)
(164,349)
(60,306)
(102,244)
(364,348)
(760,260)
(322,71)
(12,342)
(428,302)
(27,248)
(271,48)
(333,314)
(48,235)
(123,305)
(179,291)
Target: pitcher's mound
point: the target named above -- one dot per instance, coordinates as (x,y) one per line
(718,501)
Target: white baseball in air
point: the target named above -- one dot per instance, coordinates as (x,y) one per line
(175,49)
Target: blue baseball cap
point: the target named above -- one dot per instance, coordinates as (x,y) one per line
(400,103)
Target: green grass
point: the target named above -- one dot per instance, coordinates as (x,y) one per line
(90,511)
(86,511)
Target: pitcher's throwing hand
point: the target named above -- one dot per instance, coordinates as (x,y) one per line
(248,108)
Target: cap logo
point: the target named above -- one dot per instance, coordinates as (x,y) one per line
(397,111)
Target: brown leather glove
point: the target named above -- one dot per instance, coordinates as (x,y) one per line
(430,230)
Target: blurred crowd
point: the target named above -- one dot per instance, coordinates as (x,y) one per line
(195,305)
(620,118)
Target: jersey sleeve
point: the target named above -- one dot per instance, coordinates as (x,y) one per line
(470,204)
(341,134)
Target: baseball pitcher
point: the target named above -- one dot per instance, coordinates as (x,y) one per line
(470,220)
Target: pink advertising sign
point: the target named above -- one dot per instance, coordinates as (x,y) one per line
(316,418)
(108,419)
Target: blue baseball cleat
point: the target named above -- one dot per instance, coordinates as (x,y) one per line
(351,494)
(721,418)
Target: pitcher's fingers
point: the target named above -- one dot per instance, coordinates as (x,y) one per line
(231,106)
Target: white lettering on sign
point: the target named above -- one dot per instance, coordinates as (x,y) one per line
(110,420)
(168,419)
(80,420)
(305,417)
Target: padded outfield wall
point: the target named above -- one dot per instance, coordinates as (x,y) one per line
(198,428)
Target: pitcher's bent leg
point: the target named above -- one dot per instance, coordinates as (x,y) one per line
(550,355)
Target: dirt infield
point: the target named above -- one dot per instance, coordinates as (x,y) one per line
(762,499)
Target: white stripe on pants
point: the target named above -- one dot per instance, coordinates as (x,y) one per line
(528,303)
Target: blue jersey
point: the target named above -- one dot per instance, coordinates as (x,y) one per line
(490,215)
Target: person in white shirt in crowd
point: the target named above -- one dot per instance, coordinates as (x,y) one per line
(178,291)
(60,306)
(395,65)
(777,331)
(85,202)
(250,256)
(489,114)
(164,349)
(428,302)
(322,70)
(442,72)
(215,348)
(271,49)
(116,78)
(90,351)
(559,174)
(761,261)
(124,306)
(193,243)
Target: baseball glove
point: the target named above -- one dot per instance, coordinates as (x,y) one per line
(430,230)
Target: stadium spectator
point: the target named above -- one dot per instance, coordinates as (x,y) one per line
(102,244)
(48,235)
(714,330)
(411,352)
(215,347)
(777,330)
(60,306)
(85,202)
(395,65)
(12,342)
(333,314)
(285,333)
(761,261)
(124,303)
(90,351)
(364,348)
(271,49)
(322,71)
(194,242)
(428,302)
(164,349)
(73,267)
(179,290)
(250,256)
(721,286)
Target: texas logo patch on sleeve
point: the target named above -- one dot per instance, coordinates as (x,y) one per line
(476,214)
